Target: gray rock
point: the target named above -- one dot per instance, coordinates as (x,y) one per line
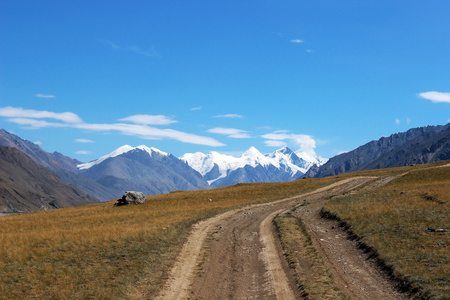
(131,198)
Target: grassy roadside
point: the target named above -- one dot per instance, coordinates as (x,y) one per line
(406,225)
(105,252)
(313,278)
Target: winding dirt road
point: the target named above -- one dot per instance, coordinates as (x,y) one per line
(237,255)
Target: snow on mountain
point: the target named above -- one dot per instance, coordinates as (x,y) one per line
(290,161)
(205,163)
(215,166)
(120,151)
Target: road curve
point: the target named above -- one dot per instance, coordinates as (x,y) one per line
(236,255)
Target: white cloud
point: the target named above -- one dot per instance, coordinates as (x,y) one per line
(18,112)
(28,118)
(35,124)
(436,97)
(84,141)
(397,121)
(232,116)
(272,143)
(149,119)
(309,50)
(151,133)
(296,41)
(306,143)
(38,143)
(408,120)
(83,152)
(45,96)
(196,108)
(230,132)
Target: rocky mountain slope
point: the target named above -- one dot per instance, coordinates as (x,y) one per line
(64,166)
(27,186)
(416,146)
(143,169)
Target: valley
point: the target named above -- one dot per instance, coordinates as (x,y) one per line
(182,243)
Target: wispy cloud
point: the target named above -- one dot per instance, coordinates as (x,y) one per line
(296,41)
(44,96)
(196,108)
(18,112)
(31,119)
(149,52)
(231,132)
(272,143)
(436,97)
(112,44)
(397,121)
(149,119)
(305,142)
(84,141)
(83,152)
(152,133)
(232,116)
(35,124)
(38,143)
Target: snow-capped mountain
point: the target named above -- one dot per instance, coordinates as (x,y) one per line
(144,169)
(119,151)
(252,166)
(153,171)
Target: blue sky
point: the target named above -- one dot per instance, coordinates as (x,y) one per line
(86,77)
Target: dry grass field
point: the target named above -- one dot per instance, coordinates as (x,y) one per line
(104,252)
(406,224)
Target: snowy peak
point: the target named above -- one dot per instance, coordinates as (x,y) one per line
(216,166)
(151,151)
(285,150)
(119,151)
(253,158)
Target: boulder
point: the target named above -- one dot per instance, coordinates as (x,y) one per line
(131,198)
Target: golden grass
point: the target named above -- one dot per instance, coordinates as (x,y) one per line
(407,223)
(105,252)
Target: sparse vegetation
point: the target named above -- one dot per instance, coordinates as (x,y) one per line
(105,252)
(313,278)
(406,225)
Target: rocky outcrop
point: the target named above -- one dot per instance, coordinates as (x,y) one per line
(131,198)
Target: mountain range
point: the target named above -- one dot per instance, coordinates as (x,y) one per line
(252,166)
(143,169)
(416,146)
(153,171)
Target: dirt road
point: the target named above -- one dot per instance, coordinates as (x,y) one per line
(237,255)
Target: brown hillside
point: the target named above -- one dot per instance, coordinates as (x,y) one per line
(26,186)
